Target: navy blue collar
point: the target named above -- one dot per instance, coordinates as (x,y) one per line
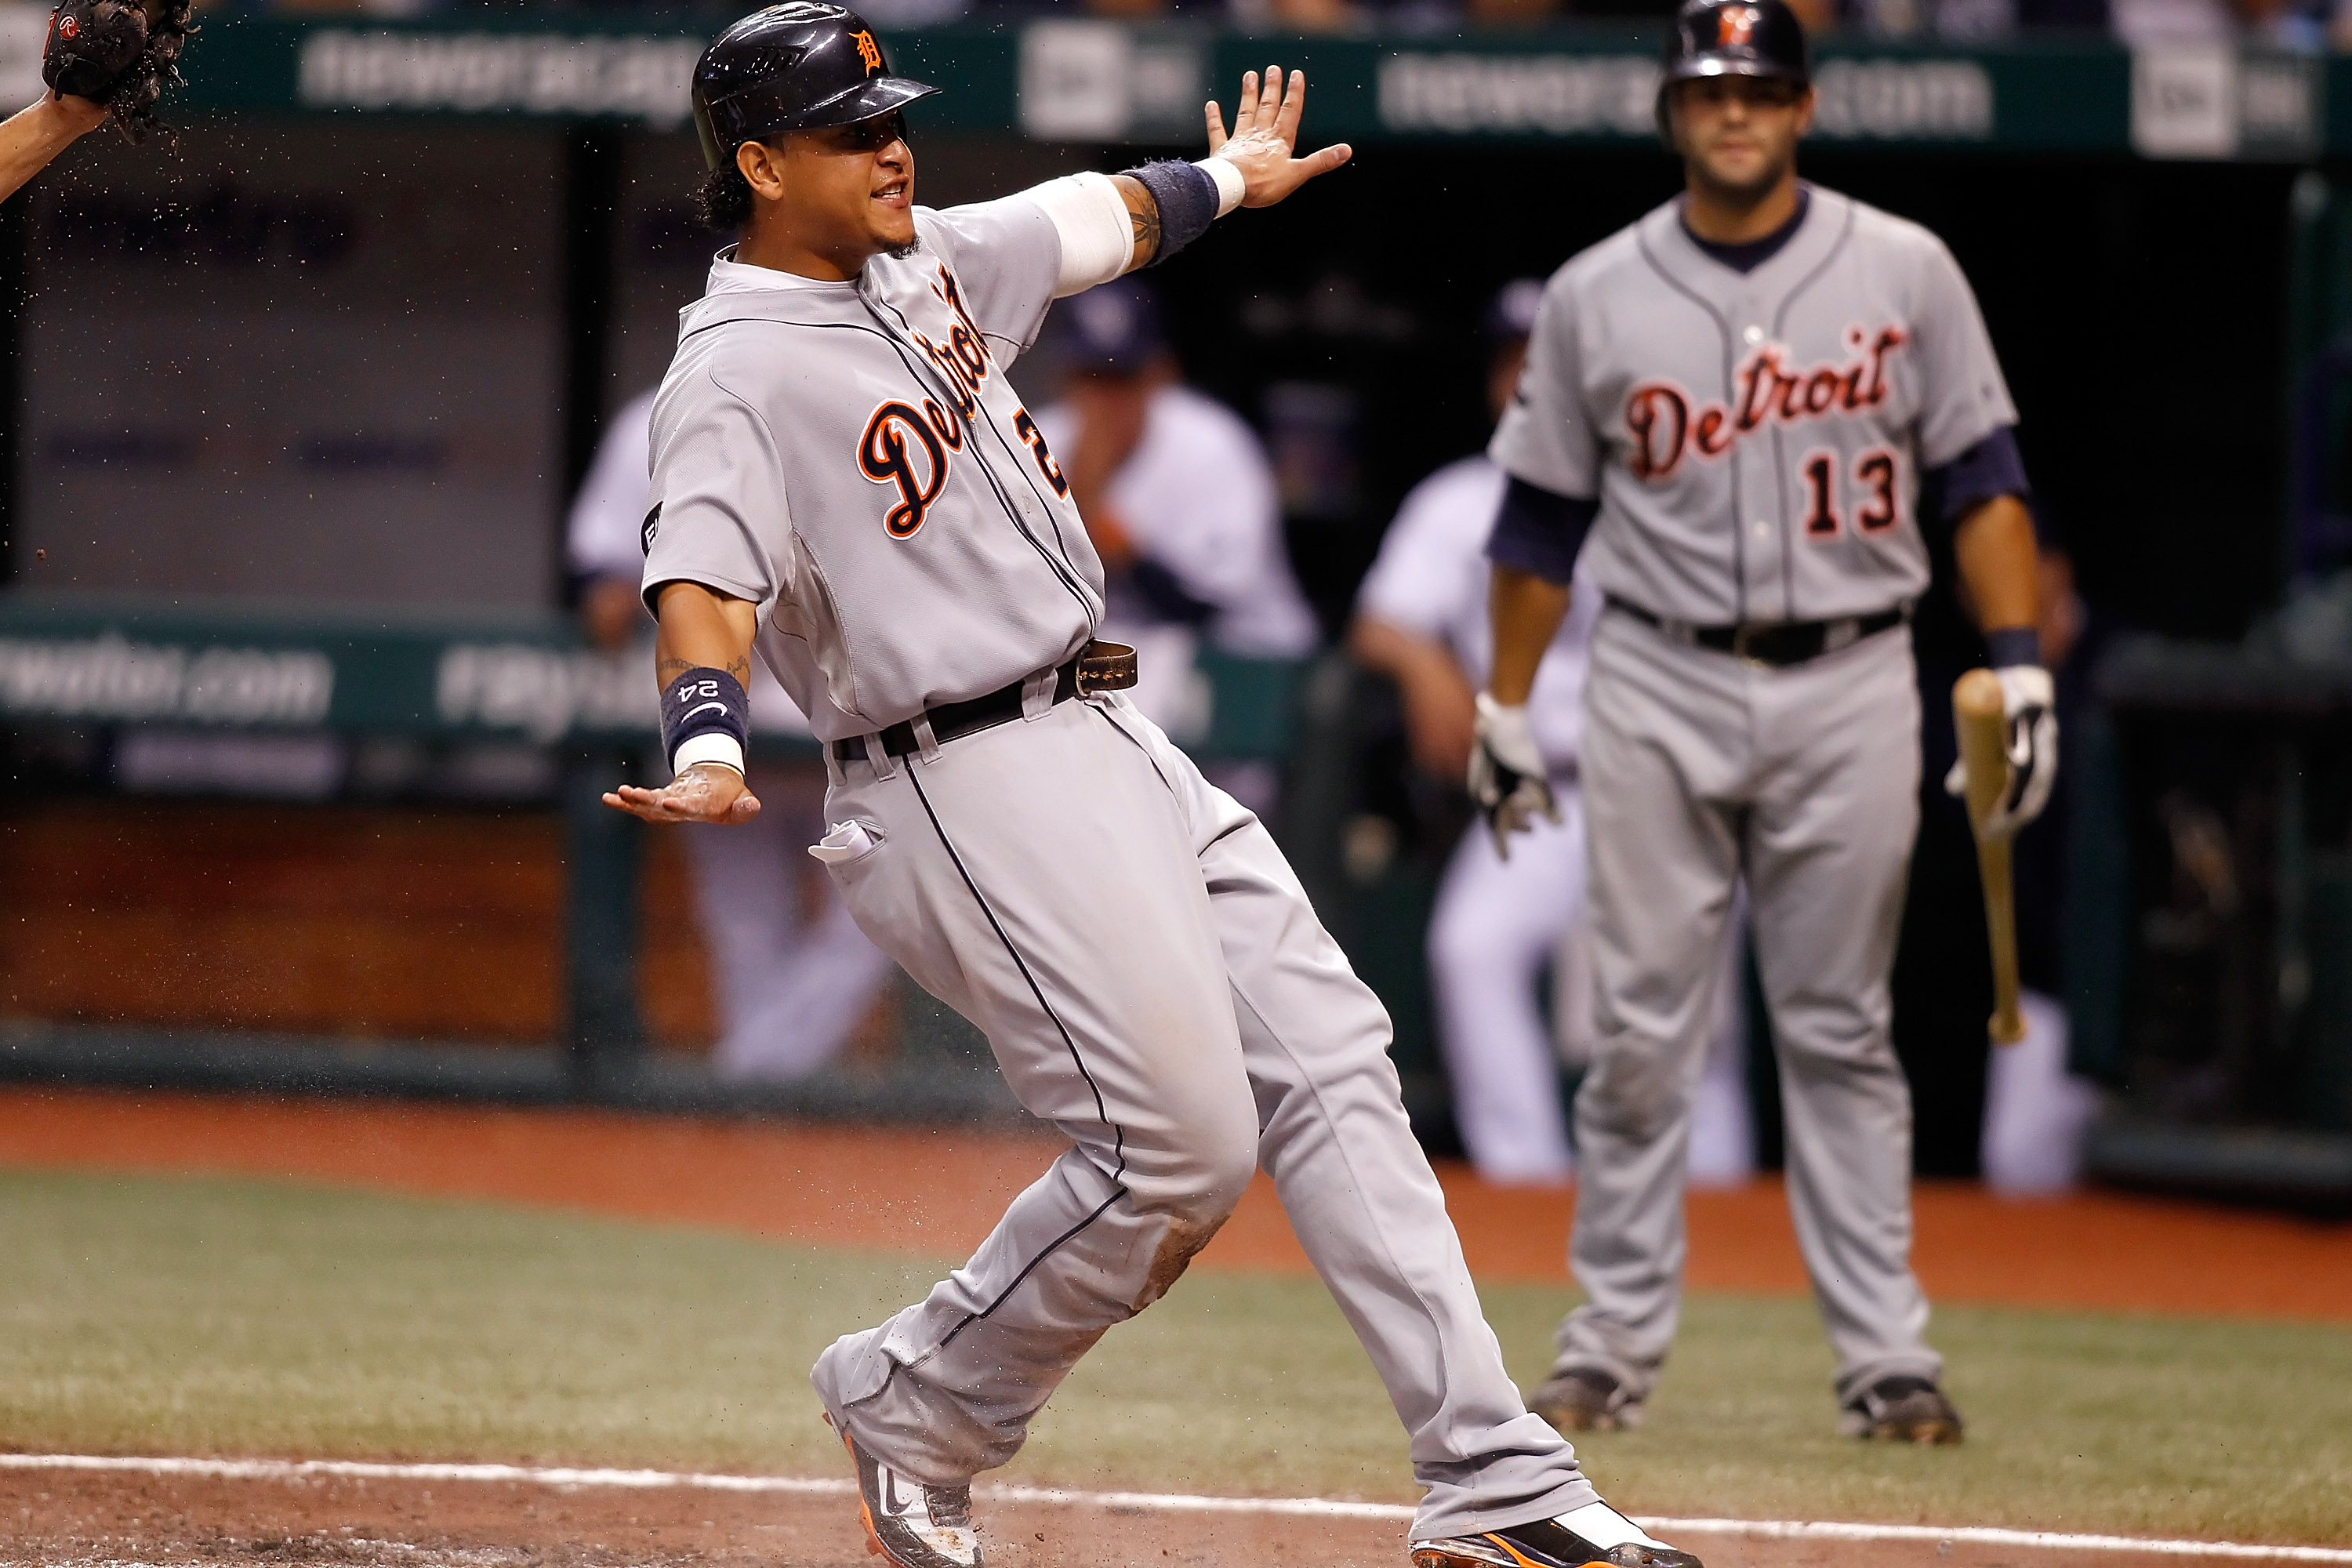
(1750,254)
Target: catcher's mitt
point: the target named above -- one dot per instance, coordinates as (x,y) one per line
(120,53)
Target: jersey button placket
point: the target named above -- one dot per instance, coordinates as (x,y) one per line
(1759,500)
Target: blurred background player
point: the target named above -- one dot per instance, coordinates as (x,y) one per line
(1421,619)
(1179,502)
(1752,495)
(793,974)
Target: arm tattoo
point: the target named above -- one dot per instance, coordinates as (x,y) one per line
(668,669)
(1143,213)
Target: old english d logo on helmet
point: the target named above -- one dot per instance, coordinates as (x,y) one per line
(1737,38)
(800,66)
(1733,37)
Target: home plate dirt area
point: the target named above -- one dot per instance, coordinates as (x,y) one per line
(237,1330)
(76,1517)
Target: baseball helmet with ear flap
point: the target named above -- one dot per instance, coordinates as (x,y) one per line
(1733,37)
(794,67)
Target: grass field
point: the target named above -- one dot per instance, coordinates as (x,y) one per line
(231,1317)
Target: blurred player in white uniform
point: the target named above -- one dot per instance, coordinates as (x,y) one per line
(1421,619)
(794,975)
(1179,502)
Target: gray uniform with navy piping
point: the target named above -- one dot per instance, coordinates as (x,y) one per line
(1144,963)
(1749,445)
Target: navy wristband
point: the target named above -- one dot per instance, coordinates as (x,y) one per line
(2013,644)
(1187,197)
(704,701)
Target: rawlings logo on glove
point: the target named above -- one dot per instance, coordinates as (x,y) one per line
(124,54)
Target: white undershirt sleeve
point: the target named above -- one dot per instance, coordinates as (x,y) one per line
(1097,240)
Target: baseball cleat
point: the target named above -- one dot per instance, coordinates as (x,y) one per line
(1586,1399)
(1902,1409)
(909,1524)
(1572,1541)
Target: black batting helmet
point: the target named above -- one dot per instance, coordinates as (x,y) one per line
(1733,37)
(793,67)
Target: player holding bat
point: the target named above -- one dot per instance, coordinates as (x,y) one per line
(1747,413)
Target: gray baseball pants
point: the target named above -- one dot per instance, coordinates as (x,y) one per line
(1697,767)
(1154,984)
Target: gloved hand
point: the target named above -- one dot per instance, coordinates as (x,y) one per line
(1507,778)
(2028,699)
(122,53)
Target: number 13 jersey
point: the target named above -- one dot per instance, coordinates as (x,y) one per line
(1755,440)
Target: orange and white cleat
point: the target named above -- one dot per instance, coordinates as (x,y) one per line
(909,1524)
(1593,1536)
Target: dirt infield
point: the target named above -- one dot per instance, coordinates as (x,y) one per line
(936,1194)
(67,1518)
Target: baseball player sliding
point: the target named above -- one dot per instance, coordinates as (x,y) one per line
(1740,414)
(844,480)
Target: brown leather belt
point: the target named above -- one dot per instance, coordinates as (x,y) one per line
(1779,644)
(1099,666)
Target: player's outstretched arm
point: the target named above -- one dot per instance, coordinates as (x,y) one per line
(34,136)
(702,657)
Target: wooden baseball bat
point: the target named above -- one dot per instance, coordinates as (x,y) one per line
(1984,757)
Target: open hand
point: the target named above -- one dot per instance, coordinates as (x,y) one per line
(1266,129)
(706,792)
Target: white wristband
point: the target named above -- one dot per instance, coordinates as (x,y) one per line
(1231,186)
(711,746)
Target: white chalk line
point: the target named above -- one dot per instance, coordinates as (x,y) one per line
(1149,1502)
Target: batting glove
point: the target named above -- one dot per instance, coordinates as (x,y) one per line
(2028,699)
(1508,777)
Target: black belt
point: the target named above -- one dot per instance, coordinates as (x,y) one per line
(1776,642)
(1099,666)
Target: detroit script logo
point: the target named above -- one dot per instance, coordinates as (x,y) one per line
(897,432)
(1664,424)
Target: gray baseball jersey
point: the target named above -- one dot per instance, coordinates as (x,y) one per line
(849,457)
(1755,440)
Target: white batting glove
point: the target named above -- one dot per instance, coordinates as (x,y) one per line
(1507,778)
(2028,699)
